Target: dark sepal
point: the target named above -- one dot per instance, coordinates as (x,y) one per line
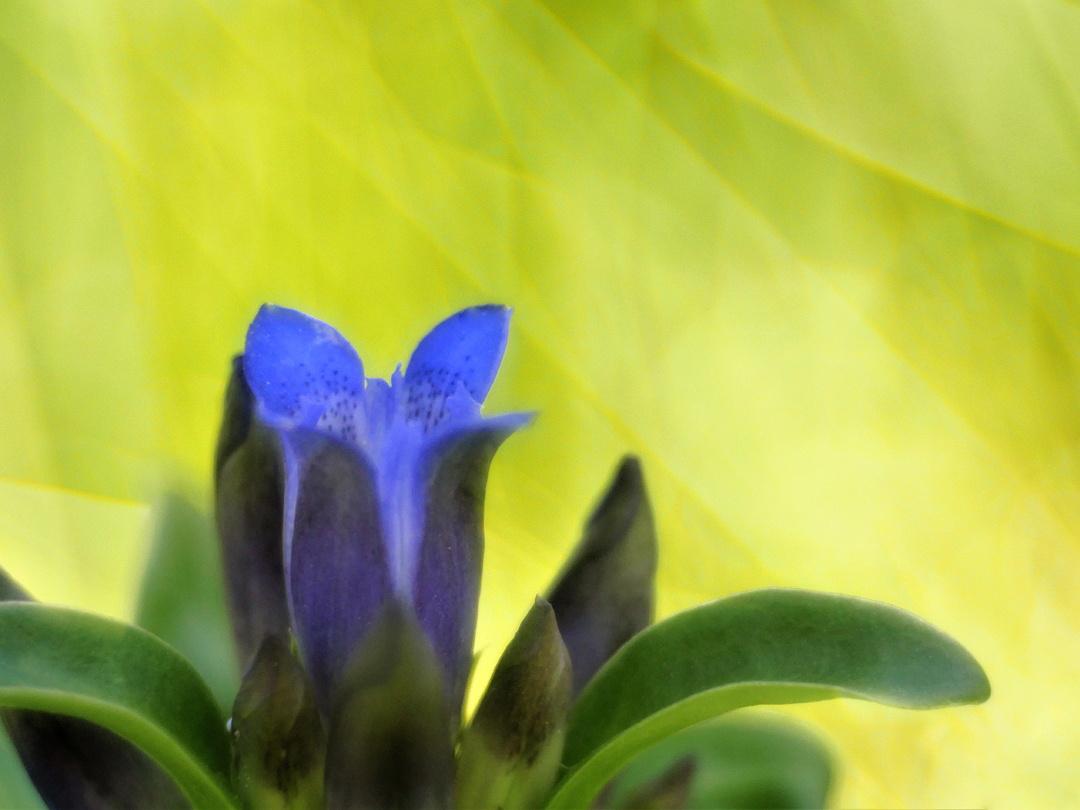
(447,588)
(279,745)
(509,756)
(390,733)
(605,593)
(339,577)
(249,487)
(76,765)
(239,411)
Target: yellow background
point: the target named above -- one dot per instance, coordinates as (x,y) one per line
(817,263)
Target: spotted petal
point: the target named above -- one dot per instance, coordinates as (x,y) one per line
(464,349)
(303,372)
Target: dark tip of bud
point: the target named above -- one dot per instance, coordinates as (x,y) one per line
(510,753)
(619,506)
(236,419)
(605,594)
(10,590)
(528,696)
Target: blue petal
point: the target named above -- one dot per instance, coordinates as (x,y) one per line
(466,348)
(336,566)
(446,588)
(303,372)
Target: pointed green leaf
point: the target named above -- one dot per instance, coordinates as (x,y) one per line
(183,595)
(15,785)
(768,646)
(121,677)
(78,765)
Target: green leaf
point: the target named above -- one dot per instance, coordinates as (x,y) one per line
(768,646)
(121,677)
(741,762)
(183,595)
(15,786)
(73,762)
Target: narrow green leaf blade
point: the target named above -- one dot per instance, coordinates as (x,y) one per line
(183,595)
(774,645)
(16,789)
(123,678)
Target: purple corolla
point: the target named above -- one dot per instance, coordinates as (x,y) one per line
(338,492)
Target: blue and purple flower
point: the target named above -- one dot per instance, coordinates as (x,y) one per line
(381,486)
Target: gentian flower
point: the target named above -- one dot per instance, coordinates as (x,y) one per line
(350,512)
(338,492)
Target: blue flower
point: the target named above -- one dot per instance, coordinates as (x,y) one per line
(337,492)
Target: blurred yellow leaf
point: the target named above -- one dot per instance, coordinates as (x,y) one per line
(816,262)
(72,548)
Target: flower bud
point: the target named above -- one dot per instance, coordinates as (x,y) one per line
(511,751)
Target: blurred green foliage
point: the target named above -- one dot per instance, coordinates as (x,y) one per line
(743,761)
(182,599)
